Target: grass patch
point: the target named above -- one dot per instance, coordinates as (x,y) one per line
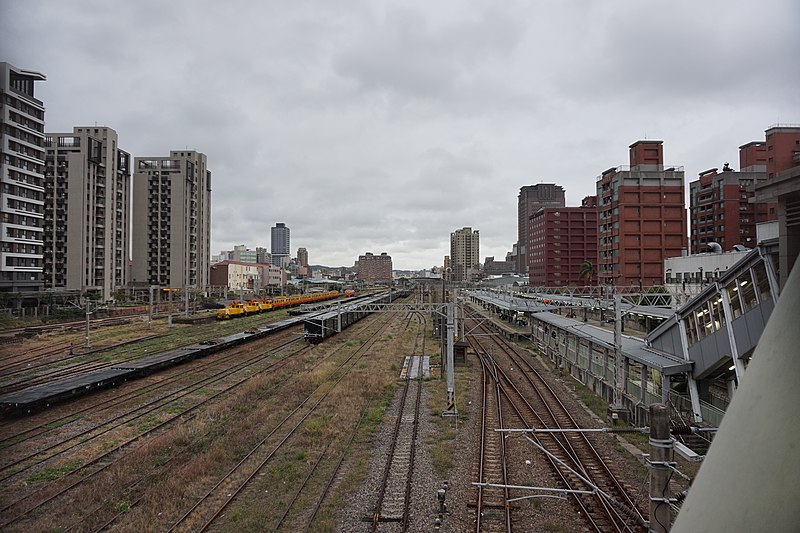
(318,423)
(54,473)
(375,413)
(123,507)
(148,422)
(597,405)
(550,527)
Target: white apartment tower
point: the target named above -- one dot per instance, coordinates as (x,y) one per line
(464,254)
(86,212)
(22,177)
(171,235)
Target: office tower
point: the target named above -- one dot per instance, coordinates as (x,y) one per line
(532,198)
(560,240)
(642,218)
(87,202)
(171,220)
(22,176)
(280,244)
(464,254)
(374,268)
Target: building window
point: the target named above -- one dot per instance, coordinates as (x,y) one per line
(764,291)
(733,295)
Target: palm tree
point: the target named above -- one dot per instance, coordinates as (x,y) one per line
(587,271)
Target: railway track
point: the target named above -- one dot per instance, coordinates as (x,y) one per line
(607,505)
(492,508)
(394,495)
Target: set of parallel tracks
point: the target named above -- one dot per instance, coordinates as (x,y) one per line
(227,365)
(574,459)
(32,369)
(210,507)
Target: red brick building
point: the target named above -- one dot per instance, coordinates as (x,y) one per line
(783,148)
(721,210)
(641,218)
(722,207)
(560,239)
(531,198)
(374,268)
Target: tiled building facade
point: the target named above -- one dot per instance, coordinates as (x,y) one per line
(171,220)
(87,202)
(22,177)
(464,254)
(560,240)
(531,198)
(641,217)
(374,268)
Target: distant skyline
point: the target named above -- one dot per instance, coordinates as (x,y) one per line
(383,126)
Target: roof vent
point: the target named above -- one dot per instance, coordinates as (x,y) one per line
(715,247)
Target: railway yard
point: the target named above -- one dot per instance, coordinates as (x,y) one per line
(282,434)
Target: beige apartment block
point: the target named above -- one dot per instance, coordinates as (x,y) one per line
(86,213)
(464,254)
(171,234)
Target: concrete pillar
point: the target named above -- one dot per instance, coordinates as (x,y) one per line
(660,455)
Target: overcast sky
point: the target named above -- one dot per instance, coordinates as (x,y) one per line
(383,126)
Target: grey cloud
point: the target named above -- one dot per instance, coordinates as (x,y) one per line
(406,56)
(384,125)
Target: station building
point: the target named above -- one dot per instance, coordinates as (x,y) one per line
(692,358)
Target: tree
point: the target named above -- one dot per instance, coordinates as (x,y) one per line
(587,271)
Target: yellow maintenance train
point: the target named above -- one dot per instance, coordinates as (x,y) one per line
(250,307)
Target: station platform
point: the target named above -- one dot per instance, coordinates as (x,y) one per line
(412,364)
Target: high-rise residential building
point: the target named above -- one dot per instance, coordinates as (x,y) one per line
(532,198)
(87,207)
(22,176)
(244,254)
(263,255)
(721,209)
(782,187)
(642,217)
(465,254)
(171,220)
(783,148)
(302,257)
(560,240)
(374,268)
(280,244)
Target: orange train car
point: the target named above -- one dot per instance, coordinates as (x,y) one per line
(237,309)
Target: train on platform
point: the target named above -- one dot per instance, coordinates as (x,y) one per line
(250,307)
